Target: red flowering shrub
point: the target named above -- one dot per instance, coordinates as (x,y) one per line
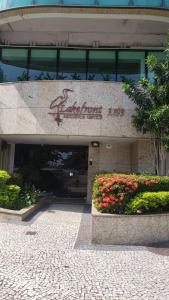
(112,192)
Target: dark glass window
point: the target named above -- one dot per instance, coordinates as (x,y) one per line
(72,64)
(43,64)
(13,66)
(131,64)
(101,65)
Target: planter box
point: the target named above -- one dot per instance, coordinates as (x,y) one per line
(21,215)
(114,229)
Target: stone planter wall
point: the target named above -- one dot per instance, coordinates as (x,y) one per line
(129,230)
(22,214)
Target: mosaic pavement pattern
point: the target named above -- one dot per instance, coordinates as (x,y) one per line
(50,257)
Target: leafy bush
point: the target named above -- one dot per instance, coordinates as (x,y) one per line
(4,198)
(148,202)
(113,192)
(28,195)
(4,177)
(8,196)
(15,195)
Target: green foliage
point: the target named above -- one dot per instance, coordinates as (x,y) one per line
(15,195)
(152,104)
(4,177)
(29,195)
(148,202)
(113,192)
(8,196)
(13,191)
(152,100)
(4,199)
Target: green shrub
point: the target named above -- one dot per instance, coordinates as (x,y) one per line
(4,198)
(15,195)
(8,196)
(148,202)
(29,195)
(4,177)
(13,191)
(113,191)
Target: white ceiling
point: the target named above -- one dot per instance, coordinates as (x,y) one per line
(84,32)
(85,25)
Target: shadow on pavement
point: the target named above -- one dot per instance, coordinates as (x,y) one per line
(159,248)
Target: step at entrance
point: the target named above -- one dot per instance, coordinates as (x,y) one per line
(66,200)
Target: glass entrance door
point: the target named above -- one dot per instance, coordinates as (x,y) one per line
(61,170)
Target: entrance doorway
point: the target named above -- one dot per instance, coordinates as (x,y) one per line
(61,170)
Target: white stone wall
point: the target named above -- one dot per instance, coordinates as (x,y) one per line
(115,229)
(145,157)
(142,157)
(24,109)
(115,157)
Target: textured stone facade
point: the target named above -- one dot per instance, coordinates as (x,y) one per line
(129,230)
(25,109)
(25,112)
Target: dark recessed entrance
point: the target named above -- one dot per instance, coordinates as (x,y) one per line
(58,169)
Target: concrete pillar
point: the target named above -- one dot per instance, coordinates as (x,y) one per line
(11,158)
(93,167)
(142,157)
(134,157)
(7,157)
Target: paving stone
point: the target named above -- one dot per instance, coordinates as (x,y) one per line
(60,263)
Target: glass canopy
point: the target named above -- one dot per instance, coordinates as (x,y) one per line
(8,4)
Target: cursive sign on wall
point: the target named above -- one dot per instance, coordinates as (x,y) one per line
(61,109)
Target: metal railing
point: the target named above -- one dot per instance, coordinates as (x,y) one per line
(8,4)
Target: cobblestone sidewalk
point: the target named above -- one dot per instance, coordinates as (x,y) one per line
(51,258)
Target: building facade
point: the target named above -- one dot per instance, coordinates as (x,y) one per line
(63,112)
